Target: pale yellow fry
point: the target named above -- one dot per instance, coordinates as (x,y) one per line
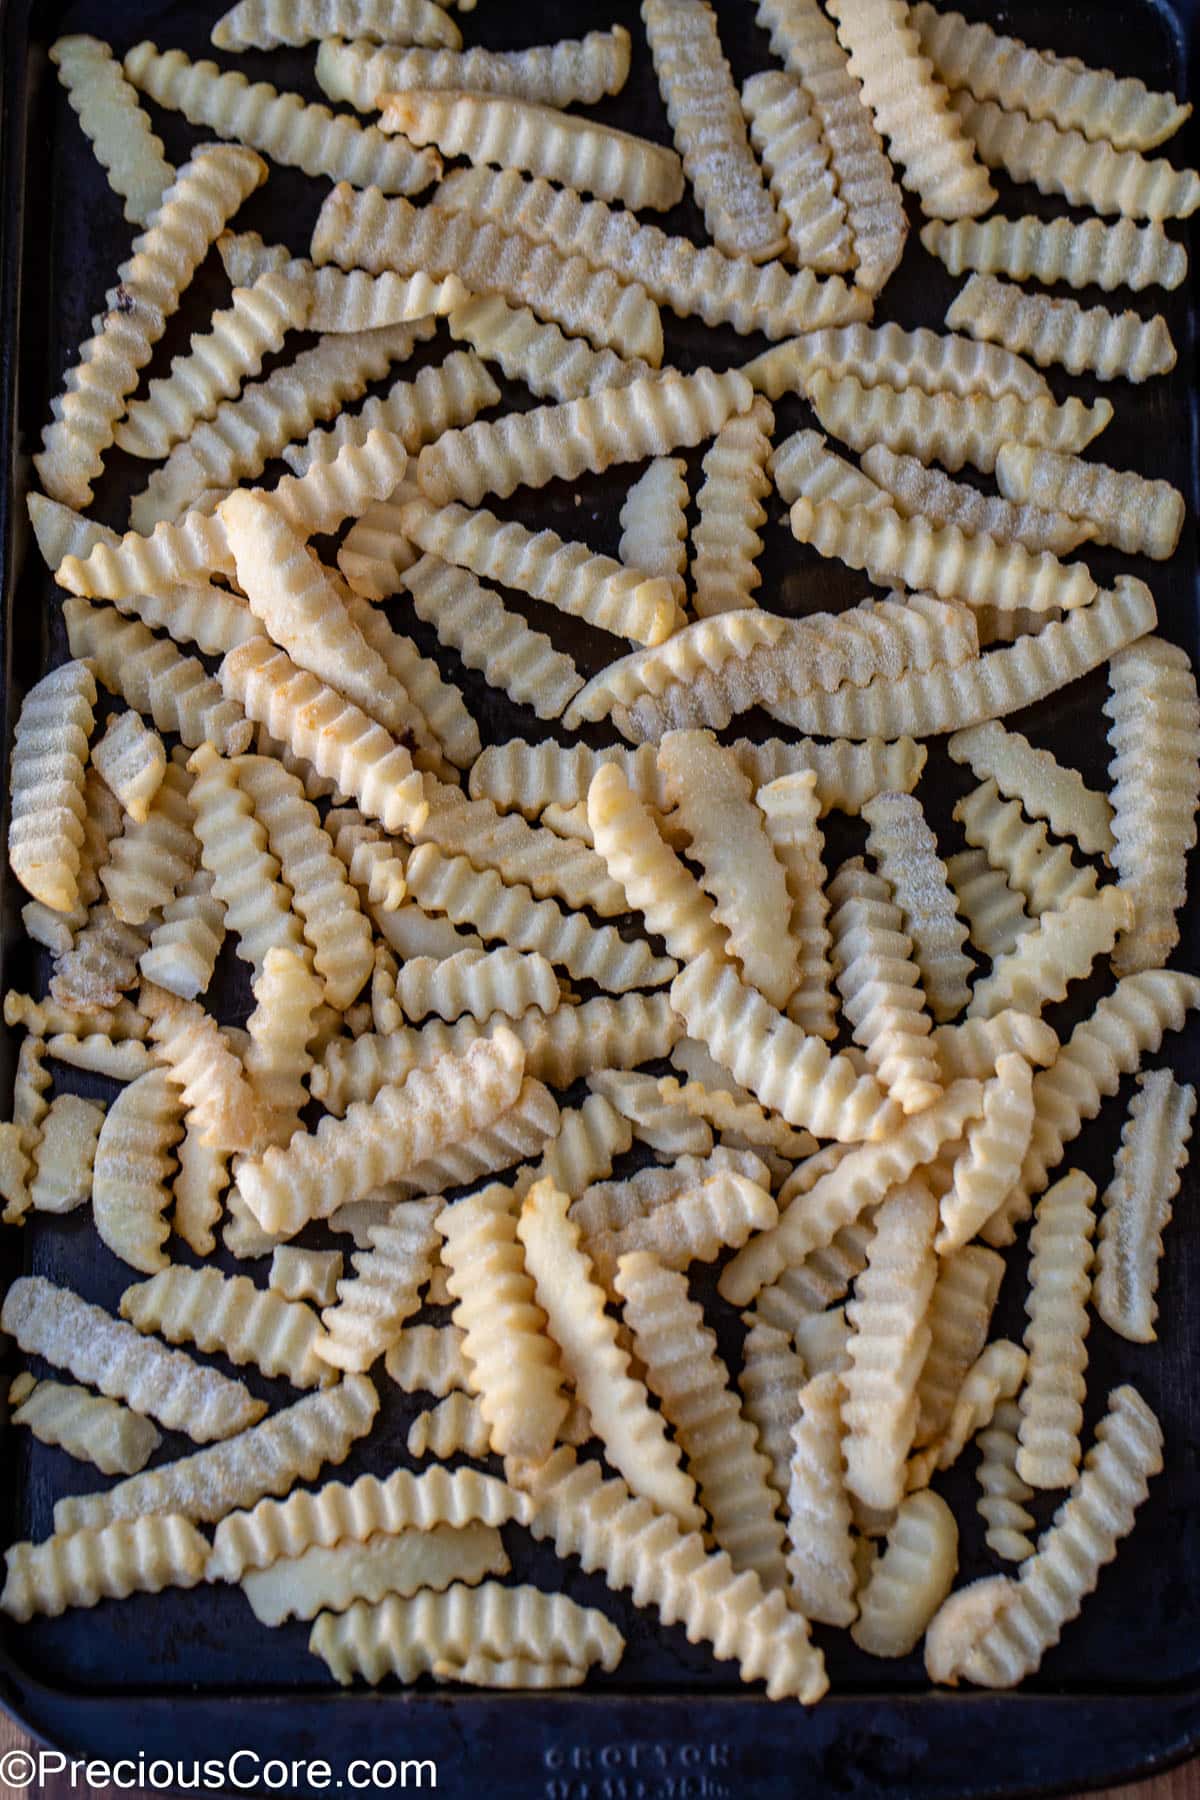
(806,41)
(516,1367)
(415,412)
(509,912)
(327,730)
(959,1318)
(115,125)
(292,1445)
(880,986)
(1137,1203)
(46,824)
(820,1553)
(634,1435)
(1046,788)
(218,362)
(714,804)
(803,466)
(911,108)
(583,1514)
(474,621)
(282,126)
(653,525)
(791,809)
(410,1637)
(132,761)
(651,877)
(1083,254)
(915,490)
(541,140)
(611,1205)
(933,361)
(1123,111)
(1139,516)
(845,1187)
(88,1427)
(454,1427)
(795,159)
(212,1083)
(1047,876)
(65,1154)
(996,1632)
(719,289)
(384,1291)
(53,1323)
(598,1034)
(429,1359)
(905,850)
(1003,1497)
(1064,162)
(264,24)
(1154,733)
(684,1370)
(766,1053)
(184,948)
(551,365)
(81,1568)
(1056,1305)
(336,1513)
(709,129)
(941,559)
(193,210)
(699,1222)
(909,1581)
(382,1140)
(228,1313)
(245,433)
(151,675)
(889,1342)
(990,1162)
(994,1378)
(133,1166)
(950,428)
(648,417)
(403,1563)
(367,231)
(566,575)
(573,69)
(1081,339)
(991,686)
(726,543)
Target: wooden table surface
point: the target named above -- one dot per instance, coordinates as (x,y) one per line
(1178,1784)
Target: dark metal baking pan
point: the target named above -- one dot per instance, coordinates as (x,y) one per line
(193,1674)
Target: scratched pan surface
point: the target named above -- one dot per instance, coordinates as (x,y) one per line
(194,1672)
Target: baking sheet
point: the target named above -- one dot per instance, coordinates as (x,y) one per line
(1140,1634)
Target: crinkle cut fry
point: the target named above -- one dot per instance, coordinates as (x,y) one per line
(709,129)
(808,44)
(1065,162)
(265,24)
(573,69)
(542,140)
(115,125)
(1002,682)
(994,67)
(203,195)
(1091,254)
(911,108)
(283,126)
(648,417)
(366,231)
(718,289)
(643,1550)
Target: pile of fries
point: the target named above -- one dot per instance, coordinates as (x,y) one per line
(541,1023)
